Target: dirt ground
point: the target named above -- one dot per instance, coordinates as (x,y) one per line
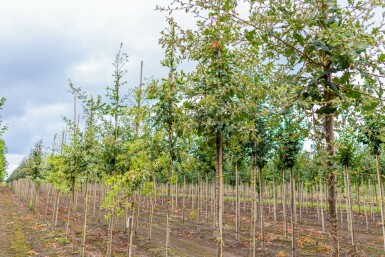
(20,234)
(25,233)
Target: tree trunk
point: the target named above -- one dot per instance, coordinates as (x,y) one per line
(292,210)
(131,226)
(380,195)
(331,178)
(149,233)
(82,252)
(321,205)
(220,194)
(207,198)
(274,200)
(47,201)
(254,204)
(198,214)
(184,197)
(137,215)
(284,201)
(261,210)
(56,211)
(350,209)
(237,203)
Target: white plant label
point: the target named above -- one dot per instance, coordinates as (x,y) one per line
(128,222)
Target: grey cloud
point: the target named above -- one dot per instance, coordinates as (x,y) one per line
(43,43)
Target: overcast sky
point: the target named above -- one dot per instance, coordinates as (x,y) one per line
(43,43)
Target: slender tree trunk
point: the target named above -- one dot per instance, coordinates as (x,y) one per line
(284,201)
(261,210)
(137,215)
(82,252)
(131,227)
(371,202)
(220,195)
(109,233)
(37,190)
(350,209)
(207,198)
(365,210)
(331,178)
(254,205)
(358,198)
(94,196)
(47,201)
(215,206)
(380,196)
(292,210)
(168,214)
(176,193)
(237,206)
(110,226)
(184,198)
(68,220)
(275,200)
(322,206)
(54,194)
(341,209)
(57,209)
(198,214)
(152,210)
(317,191)
(170,163)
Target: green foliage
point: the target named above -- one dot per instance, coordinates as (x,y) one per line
(289,141)
(346,149)
(35,161)
(261,144)
(31,166)
(3,147)
(372,132)
(192,214)
(3,160)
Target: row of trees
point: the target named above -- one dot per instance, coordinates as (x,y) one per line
(263,82)
(3,147)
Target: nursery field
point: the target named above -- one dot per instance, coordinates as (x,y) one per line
(27,232)
(260,133)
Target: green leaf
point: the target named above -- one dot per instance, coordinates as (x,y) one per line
(331,85)
(352,94)
(360,49)
(319,45)
(250,35)
(371,106)
(299,38)
(381,58)
(326,110)
(345,78)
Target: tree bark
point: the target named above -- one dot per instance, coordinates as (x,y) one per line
(261,210)
(237,203)
(220,194)
(292,210)
(82,252)
(331,180)
(380,195)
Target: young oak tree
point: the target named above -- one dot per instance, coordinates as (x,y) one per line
(290,144)
(167,109)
